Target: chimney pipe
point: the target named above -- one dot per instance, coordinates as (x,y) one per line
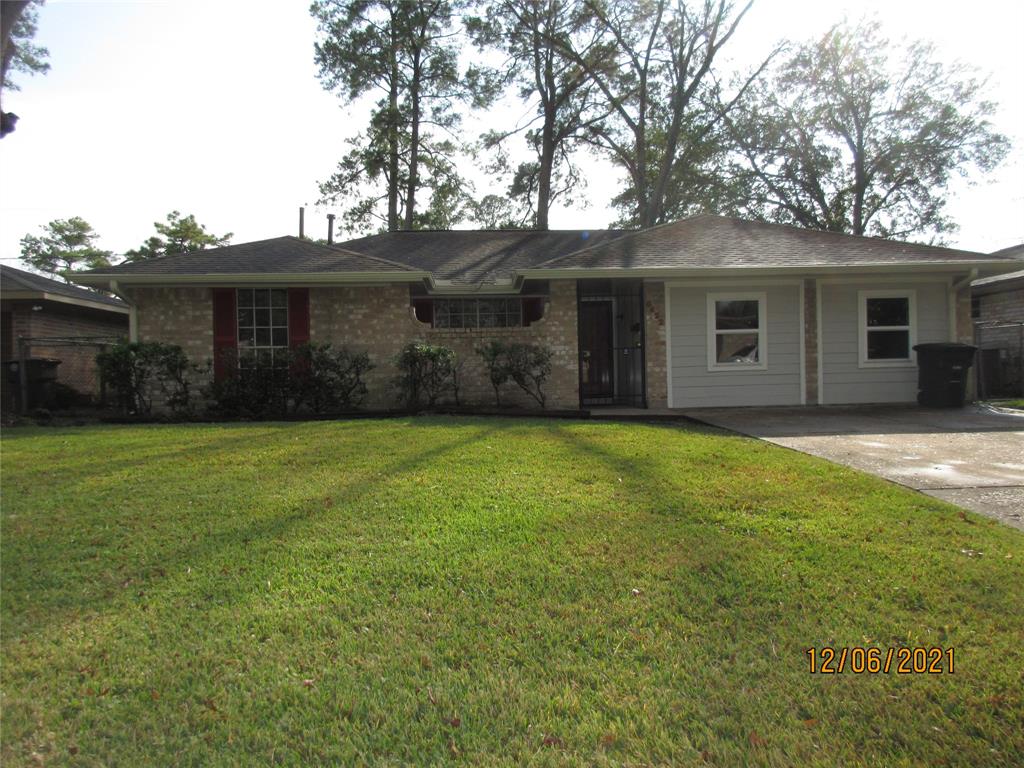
(302,222)
(330,228)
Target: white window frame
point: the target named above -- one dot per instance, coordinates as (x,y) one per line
(761,297)
(254,349)
(862,321)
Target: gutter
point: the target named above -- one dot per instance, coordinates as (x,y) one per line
(971,277)
(133,311)
(100,279)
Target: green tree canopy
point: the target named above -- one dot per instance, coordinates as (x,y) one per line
(854,134)
(181,234)
(555,86)
(18,19)
(406,51)
(653,69)
(64,246)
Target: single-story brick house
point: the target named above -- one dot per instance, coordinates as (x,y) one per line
(997,307)
(707,311)
(36,307)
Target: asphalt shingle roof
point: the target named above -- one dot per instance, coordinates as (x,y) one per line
(708,241)
(284,255)
(477,256)
(12,279)
(472,257)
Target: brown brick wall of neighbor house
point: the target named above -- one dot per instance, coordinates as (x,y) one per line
(379,321)
(78,363)
(996,308)
(811,340)
(654,345)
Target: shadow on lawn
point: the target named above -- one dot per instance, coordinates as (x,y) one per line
(159,566)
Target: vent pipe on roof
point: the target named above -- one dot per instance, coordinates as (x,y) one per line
(330,228)
(302,222)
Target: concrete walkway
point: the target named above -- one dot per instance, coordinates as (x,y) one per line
(972,457)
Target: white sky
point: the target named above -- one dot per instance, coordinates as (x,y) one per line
(213,108)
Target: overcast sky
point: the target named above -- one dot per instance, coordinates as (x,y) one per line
(213,108)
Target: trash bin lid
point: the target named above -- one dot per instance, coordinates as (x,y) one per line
(944,346)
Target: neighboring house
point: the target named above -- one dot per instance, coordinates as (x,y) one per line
(707,311)
(34,307)
(997,307)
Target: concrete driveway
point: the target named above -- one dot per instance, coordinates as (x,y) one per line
(973,457)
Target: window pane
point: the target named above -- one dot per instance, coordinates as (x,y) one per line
(736,348)
(888,311)
(262,317)
(888,345)
(280,337)
(279,317)
(736,315)
(245,336)
(244,318)
(262,337)
(261,297)
(245,297)
(515,312)
(278,297)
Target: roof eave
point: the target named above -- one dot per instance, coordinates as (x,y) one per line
(257,278)
(989,267)
(61,299)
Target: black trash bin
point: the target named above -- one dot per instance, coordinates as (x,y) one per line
(942,373)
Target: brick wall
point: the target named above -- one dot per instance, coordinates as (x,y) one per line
(1003,307)
(78,363)
(654,345)
(379,321)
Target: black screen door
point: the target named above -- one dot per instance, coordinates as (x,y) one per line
(596,356)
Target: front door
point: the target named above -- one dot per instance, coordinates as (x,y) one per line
(596,357)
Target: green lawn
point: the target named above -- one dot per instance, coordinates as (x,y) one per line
(487,591)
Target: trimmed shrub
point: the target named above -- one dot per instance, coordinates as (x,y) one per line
(252,393)
(131,369)
(327,380)
(425,371)
(528,365)
(496,361)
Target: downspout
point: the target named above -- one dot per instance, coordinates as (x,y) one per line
(971,277)
(133,312)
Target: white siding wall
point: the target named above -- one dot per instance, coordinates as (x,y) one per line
(694,386)
(843,379)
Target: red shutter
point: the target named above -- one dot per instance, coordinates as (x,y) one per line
(298,317)
(533,310)
(424,310)
(225,331)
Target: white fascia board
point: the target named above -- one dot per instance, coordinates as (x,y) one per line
(62,299)
(266,278)
(989,267)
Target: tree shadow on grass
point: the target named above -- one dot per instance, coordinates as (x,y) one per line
(50,606)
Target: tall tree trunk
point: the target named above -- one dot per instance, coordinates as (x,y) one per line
(414,142)
(393,143)
(547,162)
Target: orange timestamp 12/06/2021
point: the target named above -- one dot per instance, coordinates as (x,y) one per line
(867,660)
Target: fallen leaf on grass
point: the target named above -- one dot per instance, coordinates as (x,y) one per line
(551,741)
(811,722)
(308,682)
(755,740)
(455,722)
